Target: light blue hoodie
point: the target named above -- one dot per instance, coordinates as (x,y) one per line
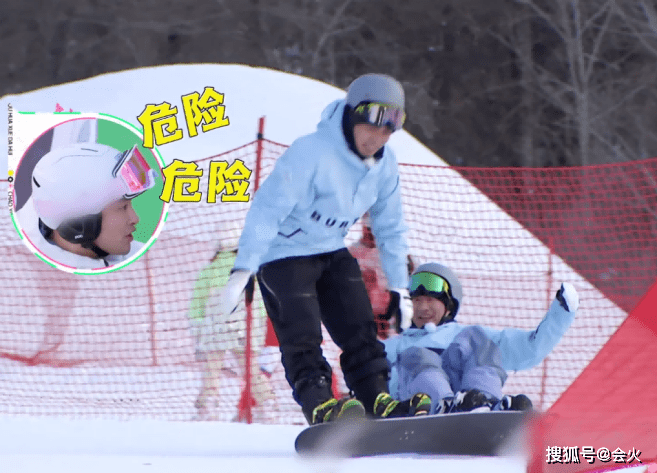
(318,189)
(520,349)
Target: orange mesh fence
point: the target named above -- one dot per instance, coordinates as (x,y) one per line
(122,344)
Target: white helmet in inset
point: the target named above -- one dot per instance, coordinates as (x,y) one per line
(72,185)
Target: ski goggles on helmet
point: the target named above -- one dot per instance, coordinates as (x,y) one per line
(425,283)
(379,114)
(134,171)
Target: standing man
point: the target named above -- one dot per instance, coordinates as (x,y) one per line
(293,240)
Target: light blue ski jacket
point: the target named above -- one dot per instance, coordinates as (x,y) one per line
(318,189)
(521,349)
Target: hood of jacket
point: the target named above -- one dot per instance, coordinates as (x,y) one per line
(330,127)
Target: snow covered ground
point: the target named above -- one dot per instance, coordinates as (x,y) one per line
(49,445)
(45,445)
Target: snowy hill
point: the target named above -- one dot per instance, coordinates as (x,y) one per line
(291,103)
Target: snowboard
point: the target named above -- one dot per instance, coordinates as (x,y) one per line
(469,433)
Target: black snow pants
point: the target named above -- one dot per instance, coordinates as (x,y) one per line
(301,292)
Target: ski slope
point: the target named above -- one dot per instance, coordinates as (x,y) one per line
(101,446)
(47,445)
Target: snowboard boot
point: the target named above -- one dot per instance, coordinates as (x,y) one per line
(472,400)
(444,406)
(318,404)
(386,407)
(367,389)
(519,402)
(333,409)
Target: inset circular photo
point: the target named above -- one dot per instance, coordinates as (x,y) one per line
(86,192)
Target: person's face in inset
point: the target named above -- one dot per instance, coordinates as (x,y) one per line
(370,138)
(119,221)
(428,309)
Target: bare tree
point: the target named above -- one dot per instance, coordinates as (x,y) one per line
(498,82)
(590,62)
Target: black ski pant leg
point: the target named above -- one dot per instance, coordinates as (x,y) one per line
(348,317)
(288,288)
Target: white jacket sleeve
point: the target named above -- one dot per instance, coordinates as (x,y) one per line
(389,229)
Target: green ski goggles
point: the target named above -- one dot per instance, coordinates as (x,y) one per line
(428,283)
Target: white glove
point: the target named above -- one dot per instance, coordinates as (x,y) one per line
(568,297)
(232,291)
(269,359)
(405,308)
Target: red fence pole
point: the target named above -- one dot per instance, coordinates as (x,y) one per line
(247,401)
(151,306)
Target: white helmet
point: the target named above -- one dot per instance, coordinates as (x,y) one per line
(72,185)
